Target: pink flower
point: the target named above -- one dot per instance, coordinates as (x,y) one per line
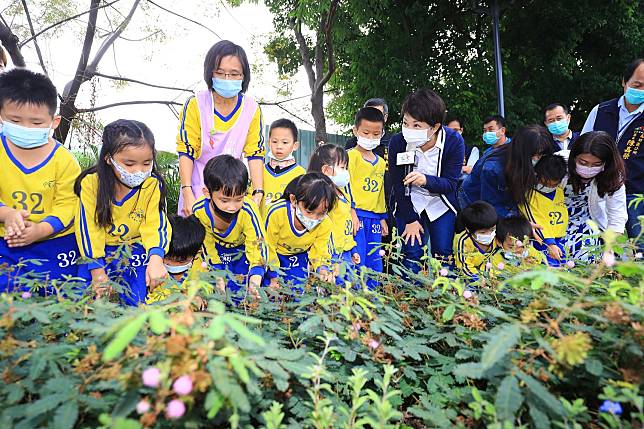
(151,377)
(500,266)
(373,344)
(467,294)
(518,243)
(143,407)
(443,272)
(26,295)
(204,264)
(175,409)
(638,255)
(570,264)
(355,326)
(182,385)
(382,252)
(488,265)
(609,259)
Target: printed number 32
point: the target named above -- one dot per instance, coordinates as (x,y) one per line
(370,185)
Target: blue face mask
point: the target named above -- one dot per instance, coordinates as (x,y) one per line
(490,137)
(25,137)
(226,88)
(557,128)
(634,96)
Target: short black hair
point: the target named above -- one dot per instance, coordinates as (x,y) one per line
(513,226)
(227,174)
(3,57)
(426,106)
(551,167)
(630,69)
(22,86)
(451,117)
(314,188)
(188,235)
(284,123)
(370,114)
(478,215)
(327,154)
(553,106)
(374,102)
(221,49)
(500,120)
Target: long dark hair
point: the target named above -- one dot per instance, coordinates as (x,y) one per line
(603,146)
(313,189)
(527,142)
(116,136)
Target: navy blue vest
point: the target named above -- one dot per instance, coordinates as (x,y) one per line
(629,145)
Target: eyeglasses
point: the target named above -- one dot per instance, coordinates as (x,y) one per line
(232,75)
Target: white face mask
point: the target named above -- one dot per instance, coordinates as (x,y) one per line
(289,157)
(131,180)
(178,269)
(485,238)
(416,137)
(511,256)
(368,144)
(545,189)
(308,223)
(341,178)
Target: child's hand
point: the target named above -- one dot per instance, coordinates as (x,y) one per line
(254,283)
(274,285)
(355,258)
(188,201)
(385,227)
(555,252)
(100,284)
(355,221)
(14,222)
(413,231)
(535,227)
(220,284)
(34,231)
(155,273)
(327,276)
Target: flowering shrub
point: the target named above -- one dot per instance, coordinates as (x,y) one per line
(542,348)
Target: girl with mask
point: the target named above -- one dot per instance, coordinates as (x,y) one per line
(425,190)
(594,191)
(121,224)
(474,246)
(298,231)
(220,120)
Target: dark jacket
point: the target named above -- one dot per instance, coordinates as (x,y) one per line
(555,144)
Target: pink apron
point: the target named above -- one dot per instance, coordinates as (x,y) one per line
(215,142)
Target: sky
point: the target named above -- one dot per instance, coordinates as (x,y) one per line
(174,60)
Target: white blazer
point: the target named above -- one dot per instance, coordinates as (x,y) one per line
(608,212)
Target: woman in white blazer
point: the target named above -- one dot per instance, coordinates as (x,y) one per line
(594,191)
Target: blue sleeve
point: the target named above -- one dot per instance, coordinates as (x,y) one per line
(451,169)
(55,223)
(404,208)
(491,193)
(590,121)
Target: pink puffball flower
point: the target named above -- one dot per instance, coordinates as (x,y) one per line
(204,264)
(151,377)
(381,252)
(518,243)
(488,265)
(182,385)
(638,255)
(443,272)
(467,294)
(143,407)
(175,409)
(609,259)
(373,344)
(500,266)
(26,295)
(570,264)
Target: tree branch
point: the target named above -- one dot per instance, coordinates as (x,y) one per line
(128,103)
(78,15)
(296,26)
(10,43)
(328,35)
(31,30)
(127,79)
(183,17)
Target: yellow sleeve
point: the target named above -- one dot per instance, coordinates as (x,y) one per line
(90,236)
(65,200)
(273,227)
(155,229)
(255,146)
(531,211)
(320,252)
(462,257)
(256,248)
(189,135)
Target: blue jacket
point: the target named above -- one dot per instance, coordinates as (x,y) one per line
(450,161)
(487,183)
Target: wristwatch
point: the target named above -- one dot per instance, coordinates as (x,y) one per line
(258,191)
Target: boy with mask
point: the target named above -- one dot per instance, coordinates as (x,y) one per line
(366,189)
(514,238)
(37,199)
(474,246)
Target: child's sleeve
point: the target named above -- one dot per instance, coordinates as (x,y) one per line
(255,147)
(155,229)
(320,252)
(189,135)
(273,225)
(463,261)
(64,205)
(543,234)
(256,248)
(90,236)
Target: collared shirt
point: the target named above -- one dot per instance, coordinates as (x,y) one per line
(625,117)
(428,163)
(563,144)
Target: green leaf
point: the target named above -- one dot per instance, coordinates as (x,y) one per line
(538,390)
(123,338)
(66,415)
(508,398)
(469,370)
(159,324)
(243,331)
(448,314)
(45,404)
(500,345)
(213,403)
(217,328)
(540,419)
(594,366)
(239,367)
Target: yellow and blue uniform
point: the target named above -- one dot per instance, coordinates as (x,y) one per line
(531,260)
(292,250)
(366,189)
(471,259)
(46,191)
(138,230)
(189,136)
(241,250)
(343,243)
(550,212)
(275,182)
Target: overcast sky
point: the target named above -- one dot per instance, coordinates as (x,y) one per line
(176,60)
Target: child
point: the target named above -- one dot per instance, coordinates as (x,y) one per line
(474,246)
(37,198)
(366,189)
(546,207)
(281,167)
(332,161)
(187,238)
(121,222)
(299,232)
(513,238)
(234,233)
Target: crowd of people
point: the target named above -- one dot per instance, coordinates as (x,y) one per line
(250,213)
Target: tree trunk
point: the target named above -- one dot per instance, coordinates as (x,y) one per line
(10,43)
(317,111)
